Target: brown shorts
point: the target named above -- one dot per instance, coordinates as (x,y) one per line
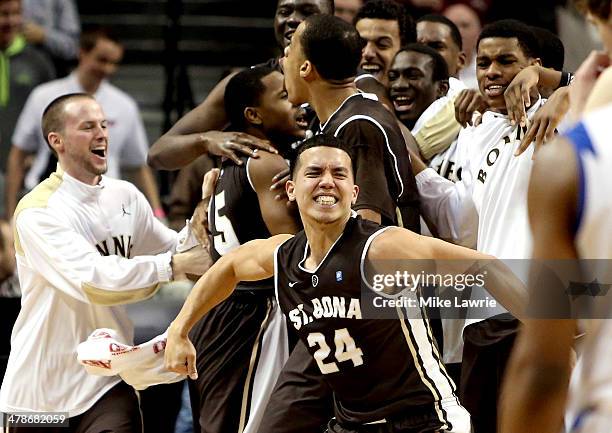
(301,402)
(117,411)
(228,341)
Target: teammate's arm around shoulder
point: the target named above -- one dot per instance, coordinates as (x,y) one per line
(415,254)
(252,261)
(279,218)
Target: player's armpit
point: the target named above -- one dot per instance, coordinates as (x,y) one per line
(279,218)
(370,215)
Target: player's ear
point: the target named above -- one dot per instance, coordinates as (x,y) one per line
(442,88)
(355,194)
(252,116)
(460,61)
(306,70)
(536,61)
(56,142)
(290,188)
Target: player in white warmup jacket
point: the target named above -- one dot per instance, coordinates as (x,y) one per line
(86,244)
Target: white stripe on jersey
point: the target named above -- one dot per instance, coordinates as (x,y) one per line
(422,368)
(249,174)
(253,363)
(375,122)
(422,346)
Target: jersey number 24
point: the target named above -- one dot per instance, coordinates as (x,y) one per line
(345,350)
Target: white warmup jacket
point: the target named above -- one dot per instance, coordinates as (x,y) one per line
(487,208)
(82,251)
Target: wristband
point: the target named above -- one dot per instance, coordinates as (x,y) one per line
(159,213)
(566,79)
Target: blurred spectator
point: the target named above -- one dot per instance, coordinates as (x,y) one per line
(54,26)
(418,8)
(22,67)
(99,58)
(468,22)
(347,9)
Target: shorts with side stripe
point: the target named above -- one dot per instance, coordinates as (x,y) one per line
(416,419)
(241,346)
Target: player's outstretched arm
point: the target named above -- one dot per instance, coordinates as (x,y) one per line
(414,252)
(535,387)
(252,261)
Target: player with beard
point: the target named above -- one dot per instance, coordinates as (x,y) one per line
(242,344)
(199,131)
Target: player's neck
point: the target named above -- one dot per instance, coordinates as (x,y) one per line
(321,237)
(255,132)
(88,83)
(329,96)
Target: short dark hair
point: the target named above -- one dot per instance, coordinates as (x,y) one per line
(52,118)
(390,10)
(320,140)
(552,51)
(454,30)
(512,29)
(440,68)
(330,5)
(244,90)
(599,8)
(91,35)
(332,45)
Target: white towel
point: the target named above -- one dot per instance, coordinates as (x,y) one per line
(139,366)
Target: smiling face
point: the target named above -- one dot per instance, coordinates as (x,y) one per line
(383,41)
(498,62)
(102,60)
(411,85)
(82,144)
(323,186)
(290,13)
(278,116)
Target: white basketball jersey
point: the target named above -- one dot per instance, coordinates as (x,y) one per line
(591,387)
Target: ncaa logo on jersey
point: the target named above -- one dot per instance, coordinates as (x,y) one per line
(338,276)
(315,281)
